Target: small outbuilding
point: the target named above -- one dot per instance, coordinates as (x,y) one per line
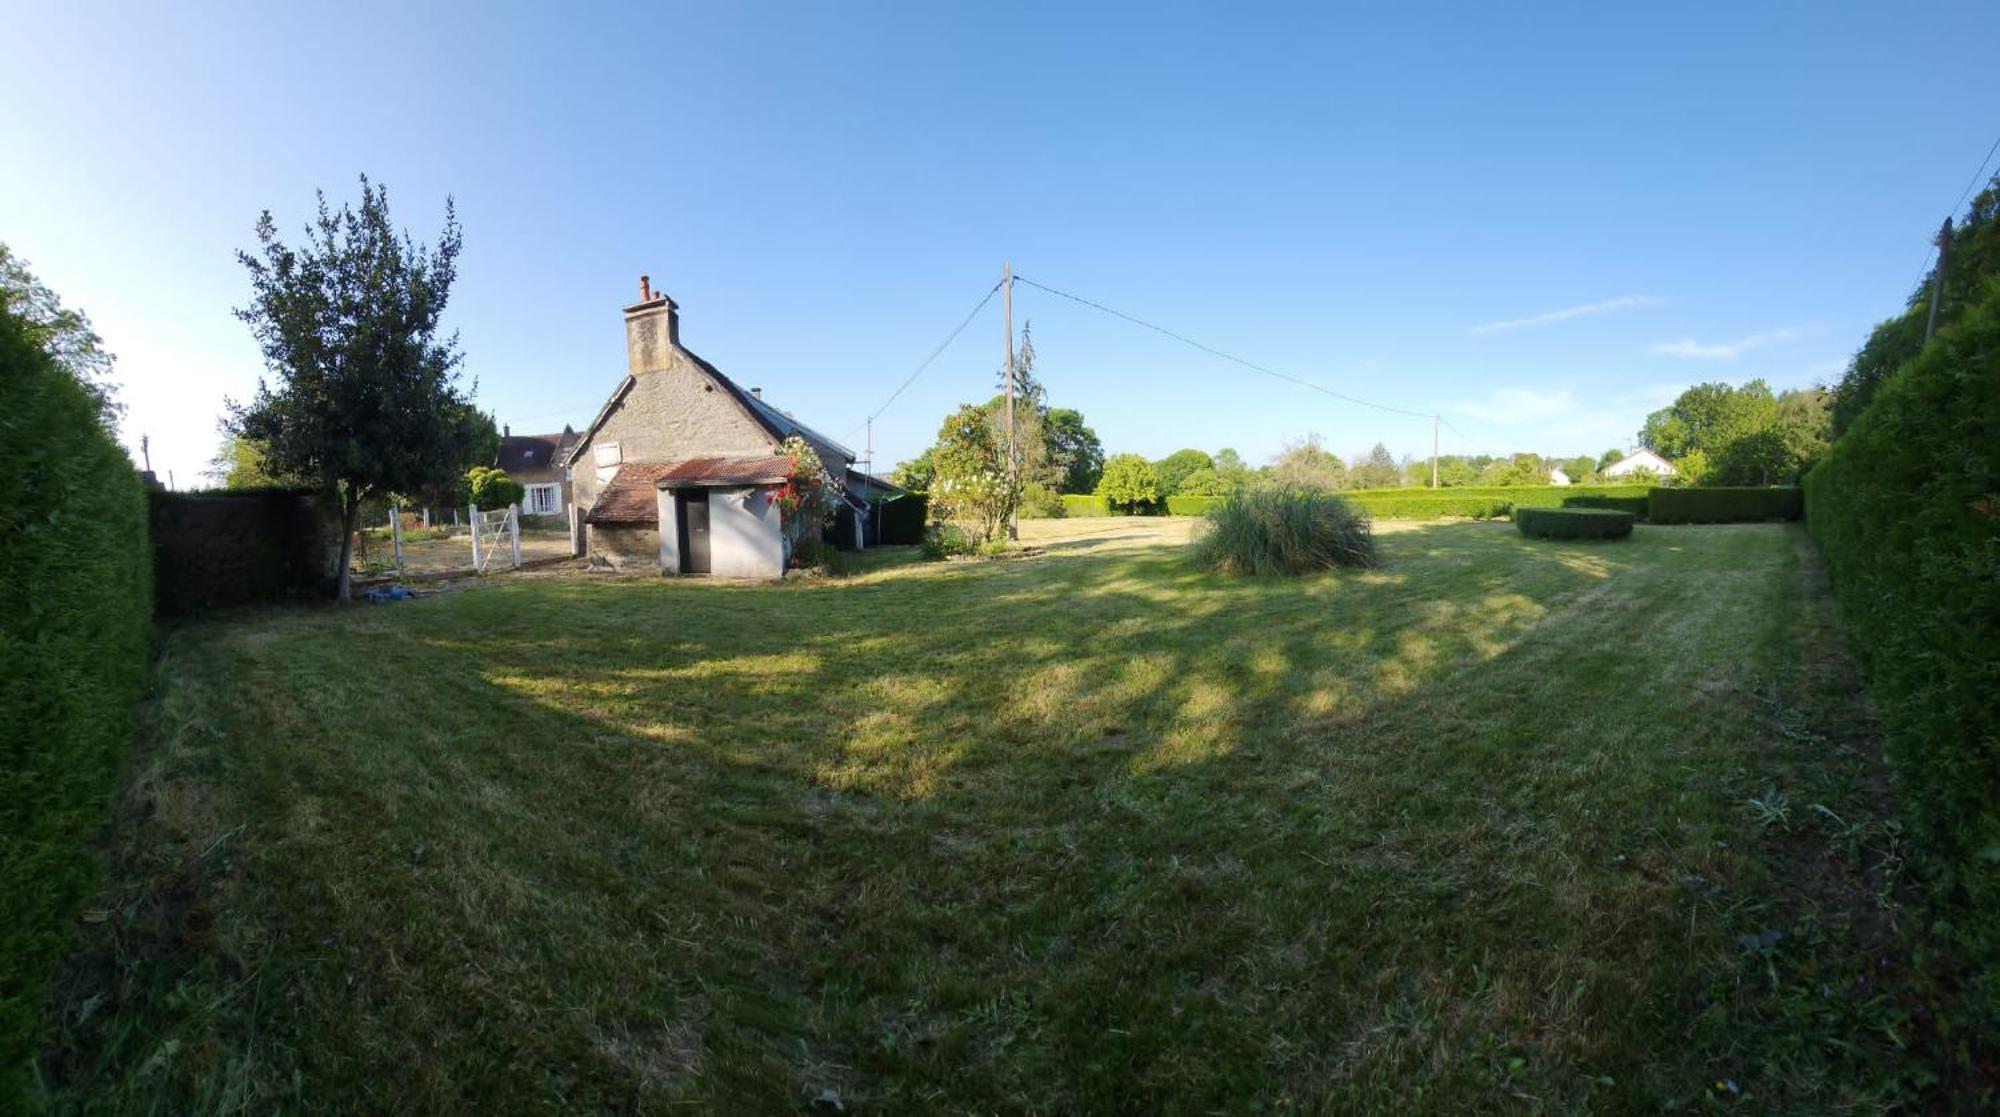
(681,466)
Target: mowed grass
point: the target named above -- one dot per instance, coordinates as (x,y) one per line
(1502,826)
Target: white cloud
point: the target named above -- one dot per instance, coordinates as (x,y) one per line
(1623,302)
(1691,349)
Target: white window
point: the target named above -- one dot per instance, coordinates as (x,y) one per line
(543,500)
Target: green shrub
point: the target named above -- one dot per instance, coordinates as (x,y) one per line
(1192,505)
(1633,504)
(943,541)
(491,488)
(75,620)
(818,554)
(1723,505)
(1038,502)
(1283,531)
(1906,510)
(1574,523)
(1085,504)
(1485,502)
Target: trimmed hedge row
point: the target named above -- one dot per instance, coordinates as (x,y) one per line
(1721,505)
(1574,523)
(75,621)
(1193,505)
(1488,502)
(1906,510)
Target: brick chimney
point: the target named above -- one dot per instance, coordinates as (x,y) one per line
(652,330)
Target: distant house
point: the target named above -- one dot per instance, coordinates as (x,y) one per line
(679,466)
(535,460)
(1558,477)
(1639,460)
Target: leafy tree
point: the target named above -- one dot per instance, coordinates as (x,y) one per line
(1073,449)
(1375,470)
(1973,263)
(1609,458)
(1721,435)
(62,333)
(1228,461)
(490,488)
(239,464)
(1213,482)
(1520,469)
(366,399)
(915,474)
(1175,467)
(1129,482)
(1581,469)
(969,483)
(1308,465)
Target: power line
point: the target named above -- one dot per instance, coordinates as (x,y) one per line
(1969,186)
(926,362)
(1212,351)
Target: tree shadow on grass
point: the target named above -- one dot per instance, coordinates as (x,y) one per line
(1084,833)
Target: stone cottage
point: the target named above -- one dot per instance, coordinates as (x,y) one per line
(535,460)
(679,466)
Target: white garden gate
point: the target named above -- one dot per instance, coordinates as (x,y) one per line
(493,532)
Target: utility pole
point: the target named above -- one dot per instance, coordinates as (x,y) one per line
(1937,278)
(1013,473)
(1434,449)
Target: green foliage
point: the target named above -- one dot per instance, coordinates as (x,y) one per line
(1040,503)
(64,334)
(1077,504)
(1636,505)
(1073,450)
(233,547)
(1193,505)
(916,474)
(946,540)
(1520,469)
(1716,434)
(1486,503)
(970,485)
(239,464)
(1610,458)
(1974,261)
(366,400)
(1375,470)
(490,488)
(75,619)
(1129,483)
(1175,468)
(1210,482)
(1272,530)
(1906,509)
(1309,465)
(1574,523)
(1722,505)
(813,553)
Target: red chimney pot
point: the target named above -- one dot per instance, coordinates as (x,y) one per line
(645,288)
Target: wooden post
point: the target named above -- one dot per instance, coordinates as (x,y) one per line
(1434,449)
(1937,277)
(1013,474)
(473,513)
(575,531)
(514,531)
(396,535)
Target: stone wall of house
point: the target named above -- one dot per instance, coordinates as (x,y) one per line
(670,413)
(626,546)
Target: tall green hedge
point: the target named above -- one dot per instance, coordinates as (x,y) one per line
(1486,502)
(1723,505)
(75,619)
(217,549)
(899,520)
(1906,509)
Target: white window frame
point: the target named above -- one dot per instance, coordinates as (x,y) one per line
(531,504)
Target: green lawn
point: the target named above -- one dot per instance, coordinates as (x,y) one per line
(1503,826)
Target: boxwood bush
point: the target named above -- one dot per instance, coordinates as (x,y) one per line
(75,620)
(1574,523)
(1283,531)
(1716,505)
(1906,510)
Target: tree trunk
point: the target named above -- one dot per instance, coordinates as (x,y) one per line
(350,517)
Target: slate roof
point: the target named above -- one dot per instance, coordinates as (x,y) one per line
(632,496)
(525,453)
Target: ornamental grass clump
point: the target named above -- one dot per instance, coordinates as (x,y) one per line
(1283,531)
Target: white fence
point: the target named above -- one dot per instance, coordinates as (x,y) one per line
(493,532)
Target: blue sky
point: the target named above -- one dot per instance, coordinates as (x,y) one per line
(1543,225)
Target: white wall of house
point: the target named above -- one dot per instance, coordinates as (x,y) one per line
(1640,459)
(745,539)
